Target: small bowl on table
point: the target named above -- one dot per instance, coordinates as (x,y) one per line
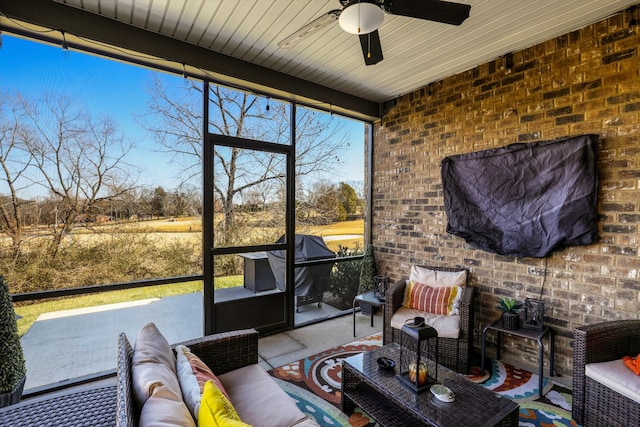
(386,363)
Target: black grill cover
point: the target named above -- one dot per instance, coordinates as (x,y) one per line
(309,280)
(524,199)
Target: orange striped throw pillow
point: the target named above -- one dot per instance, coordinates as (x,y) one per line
(203,374)
(193,374)
(438,300)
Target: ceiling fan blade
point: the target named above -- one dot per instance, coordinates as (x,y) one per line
(371,47)
(310,28)
(431,10)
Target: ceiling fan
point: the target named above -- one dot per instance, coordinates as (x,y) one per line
(364,17)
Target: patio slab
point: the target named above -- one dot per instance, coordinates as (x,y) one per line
(74,343)
(66,345)
(312,339)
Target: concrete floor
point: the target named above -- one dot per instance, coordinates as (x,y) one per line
(274,350)
(69,344)
(285,347)
(74,343)
(65,345)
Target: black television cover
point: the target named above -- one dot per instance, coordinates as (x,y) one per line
(524,199)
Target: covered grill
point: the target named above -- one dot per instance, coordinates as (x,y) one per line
(309,280)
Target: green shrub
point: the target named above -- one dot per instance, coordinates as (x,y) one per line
(368,271)
(98,259)
(344,278)
(12,364)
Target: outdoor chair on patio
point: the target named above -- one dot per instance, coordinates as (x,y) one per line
(605,392)
(455,327)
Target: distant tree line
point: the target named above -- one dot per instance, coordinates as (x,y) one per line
(329,202)
(251,178)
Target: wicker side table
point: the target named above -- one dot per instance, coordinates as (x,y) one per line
(368,298)
(523,333)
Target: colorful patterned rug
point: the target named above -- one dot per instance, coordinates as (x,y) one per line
(314,383)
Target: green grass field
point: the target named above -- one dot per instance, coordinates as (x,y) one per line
(30,312)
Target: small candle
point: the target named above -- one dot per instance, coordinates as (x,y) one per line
(422,377)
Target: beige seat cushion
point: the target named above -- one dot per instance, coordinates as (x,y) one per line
(259,400)
(616,376)
(447,326)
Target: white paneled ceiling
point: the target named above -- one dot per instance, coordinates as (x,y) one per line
(416,52)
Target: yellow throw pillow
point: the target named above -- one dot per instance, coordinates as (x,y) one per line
(216,410)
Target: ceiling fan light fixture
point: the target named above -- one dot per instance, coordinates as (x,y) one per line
(361,17)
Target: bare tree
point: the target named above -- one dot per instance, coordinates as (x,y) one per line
(81,161)
(175,120)
(15,162)
(325,203)
(134,204)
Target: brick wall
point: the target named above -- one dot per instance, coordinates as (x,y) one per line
(583,82)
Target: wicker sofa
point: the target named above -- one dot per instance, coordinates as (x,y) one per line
(605,392)
(233,357)
(454,353)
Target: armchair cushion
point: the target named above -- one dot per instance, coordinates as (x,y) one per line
(435,300)
(447,326)
(259,400)
(616,376)
(437,278)
(217,410)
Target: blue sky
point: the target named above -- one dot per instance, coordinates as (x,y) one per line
(102,85)
(109,88)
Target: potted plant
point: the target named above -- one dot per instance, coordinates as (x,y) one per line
(511,309)
(367,273)
(12,364)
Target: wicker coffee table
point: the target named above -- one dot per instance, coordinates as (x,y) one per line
(383,396)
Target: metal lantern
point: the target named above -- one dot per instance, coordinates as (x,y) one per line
(414,367)
(533,314)
(381,284)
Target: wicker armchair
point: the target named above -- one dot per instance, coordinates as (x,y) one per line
(452,353)
(593,403)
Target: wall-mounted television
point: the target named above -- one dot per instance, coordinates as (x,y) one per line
(524,200)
